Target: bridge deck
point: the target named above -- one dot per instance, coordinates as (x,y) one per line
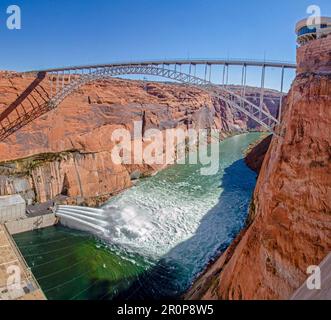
(233,62)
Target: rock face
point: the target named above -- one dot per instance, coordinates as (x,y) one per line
(255,156)
(290,220)
(315,57)
(67,152)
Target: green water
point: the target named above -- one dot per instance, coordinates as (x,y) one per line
(186,219)
(70,264)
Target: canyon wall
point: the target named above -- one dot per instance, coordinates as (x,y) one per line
(256,153)
(66,153)
(289,227)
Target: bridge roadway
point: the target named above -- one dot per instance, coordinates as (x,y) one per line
(223,62)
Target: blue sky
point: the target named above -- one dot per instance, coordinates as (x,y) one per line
(67,32)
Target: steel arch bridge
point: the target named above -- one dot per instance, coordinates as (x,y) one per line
(36,101)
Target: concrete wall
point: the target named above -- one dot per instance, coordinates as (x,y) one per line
(30,224)
(11,184)
(12,208)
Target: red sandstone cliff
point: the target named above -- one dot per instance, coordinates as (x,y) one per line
(256,154)
(290,221)
(67,151)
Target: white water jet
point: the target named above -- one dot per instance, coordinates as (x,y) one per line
(177,215)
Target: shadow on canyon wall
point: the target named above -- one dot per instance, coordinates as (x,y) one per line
(29,105)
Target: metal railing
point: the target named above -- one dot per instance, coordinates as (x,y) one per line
(203,61)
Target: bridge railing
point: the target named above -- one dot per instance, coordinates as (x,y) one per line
(180,61)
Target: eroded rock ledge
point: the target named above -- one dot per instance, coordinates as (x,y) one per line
(255,154)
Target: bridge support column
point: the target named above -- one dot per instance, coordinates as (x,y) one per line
(57,82)
(206,70)
(262,87)
(63,76)
(223,79)
(281,96)
(227,75)
(243,82)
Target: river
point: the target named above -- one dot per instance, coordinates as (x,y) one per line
(165,230)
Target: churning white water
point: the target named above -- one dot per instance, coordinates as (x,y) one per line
(178,215)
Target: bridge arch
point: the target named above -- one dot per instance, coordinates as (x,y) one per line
(234,100)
